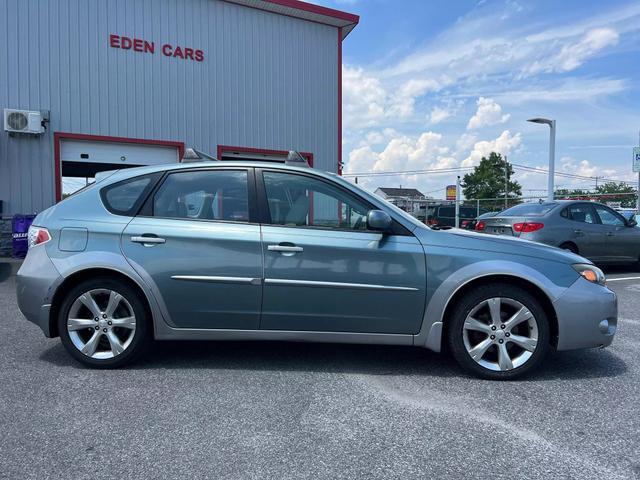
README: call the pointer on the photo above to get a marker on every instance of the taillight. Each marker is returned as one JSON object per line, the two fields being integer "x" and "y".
{"x": 38, "y": 236}
{"x": 527, "y": 227}
{"x": 480, "y": 226}
{"x": 465, "y": 223}
{"x": 432, "y": 221}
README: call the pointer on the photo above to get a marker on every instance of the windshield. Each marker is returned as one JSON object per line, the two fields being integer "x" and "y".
{"x": 528, "y": 210}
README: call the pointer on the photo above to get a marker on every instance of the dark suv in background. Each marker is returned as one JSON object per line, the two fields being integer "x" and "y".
{"x": 445, "y": 215}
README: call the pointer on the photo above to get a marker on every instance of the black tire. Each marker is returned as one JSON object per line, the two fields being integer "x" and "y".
{"x": 569, "y": 246}
{"x": 141, "y": 336}
{"x": 476, "y": 296}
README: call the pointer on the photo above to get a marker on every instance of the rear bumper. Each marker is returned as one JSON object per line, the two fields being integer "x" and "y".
{"x": 35, "y": 284}
{"x": 587, "y": 316}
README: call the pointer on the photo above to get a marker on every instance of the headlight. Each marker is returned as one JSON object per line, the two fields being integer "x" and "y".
{"x": 590, "y": 272}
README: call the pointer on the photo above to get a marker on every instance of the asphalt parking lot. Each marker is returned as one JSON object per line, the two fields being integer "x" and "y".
{"x": 276, "y": 410}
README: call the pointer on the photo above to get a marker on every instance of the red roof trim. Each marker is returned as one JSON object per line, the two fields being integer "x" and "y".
{"x": 317, "y": 9}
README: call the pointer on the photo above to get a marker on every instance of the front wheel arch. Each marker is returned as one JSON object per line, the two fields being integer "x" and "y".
{"x": 532, "y": 288}
{"x": 79, "y": 277}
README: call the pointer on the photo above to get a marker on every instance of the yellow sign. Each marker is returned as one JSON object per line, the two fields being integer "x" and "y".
{"x": 451, "y": 192}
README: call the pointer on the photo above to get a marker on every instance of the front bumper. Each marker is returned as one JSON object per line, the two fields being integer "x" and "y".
{"x": 35, "y": 283}
{"x": 587, "y": 316}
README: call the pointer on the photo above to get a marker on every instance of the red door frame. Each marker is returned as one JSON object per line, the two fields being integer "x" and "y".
{"x": 262, "y": 151}
{"x": 58, "y": 136}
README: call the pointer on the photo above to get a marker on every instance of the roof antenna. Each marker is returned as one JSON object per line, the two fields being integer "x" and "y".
{"x": 295, "y": 159}
{"x": 193, "y": 155}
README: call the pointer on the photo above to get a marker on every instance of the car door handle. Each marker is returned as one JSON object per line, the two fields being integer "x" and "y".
{"x": 611, "y": 234}
{"x": 148, "y": 240}
{"x": 284, "y": 248}
{"x": 578, "y": 232}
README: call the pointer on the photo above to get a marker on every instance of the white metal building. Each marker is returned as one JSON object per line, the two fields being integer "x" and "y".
{"x": 133, "y": 82}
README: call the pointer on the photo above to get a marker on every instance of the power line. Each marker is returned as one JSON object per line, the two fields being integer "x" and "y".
{"x": 407, "y": 172}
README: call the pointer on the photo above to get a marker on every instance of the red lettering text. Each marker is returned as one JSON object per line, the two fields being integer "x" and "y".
{"x": 144, "y": 46}
{"x": 178, "y": 52}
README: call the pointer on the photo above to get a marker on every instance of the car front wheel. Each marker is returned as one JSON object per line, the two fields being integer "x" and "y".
{"x": 103, "y": 323}
{"x": 499, "y": 331}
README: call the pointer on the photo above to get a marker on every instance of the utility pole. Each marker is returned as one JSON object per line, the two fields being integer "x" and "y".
{"x": 457, "y": 224}
{"x": 638, "y": 191}
{"x": 506, "y": 182}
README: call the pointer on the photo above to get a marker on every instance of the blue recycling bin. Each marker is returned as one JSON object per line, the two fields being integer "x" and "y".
{"x": 19, "y": 232}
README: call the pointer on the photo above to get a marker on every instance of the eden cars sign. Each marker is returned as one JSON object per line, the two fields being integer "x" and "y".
{"x": 144, "y": 46}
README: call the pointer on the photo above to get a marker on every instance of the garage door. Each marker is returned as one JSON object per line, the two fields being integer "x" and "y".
{"x": 117, "y": 154}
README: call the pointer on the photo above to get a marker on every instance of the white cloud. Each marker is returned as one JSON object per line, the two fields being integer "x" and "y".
{"x": 574, "y": 54}
{"x": 404, "y": 153}
{"x": 488, "y": 113}
{"x": 504, "y": 144}
{"x": 438, "y": 115}
{"x": 570, "y": 90}
{"x": 363, "y": 98}
{"x": 368, "y": 102}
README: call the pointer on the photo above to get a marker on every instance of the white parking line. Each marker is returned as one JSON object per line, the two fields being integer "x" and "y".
{"x": 622, "y": 278}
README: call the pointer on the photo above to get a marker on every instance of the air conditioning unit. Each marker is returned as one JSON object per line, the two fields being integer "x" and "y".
{"x": 23, "y": 121}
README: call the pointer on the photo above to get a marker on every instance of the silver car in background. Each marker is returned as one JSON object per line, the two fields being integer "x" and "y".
{"x": 261, "y": 251}
{"x": 590, "y": 229}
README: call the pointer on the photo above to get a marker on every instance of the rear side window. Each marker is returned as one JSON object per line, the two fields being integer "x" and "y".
{"x": 125, "y": 197}
{"x": 529, "y": 210}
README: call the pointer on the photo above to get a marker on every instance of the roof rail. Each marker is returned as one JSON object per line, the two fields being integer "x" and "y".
{"x": 295, "y": 159}
{"x": 193, "y": 155}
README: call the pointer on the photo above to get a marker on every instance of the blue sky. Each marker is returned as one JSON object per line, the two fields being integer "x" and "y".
{"x": 435, "y": 84}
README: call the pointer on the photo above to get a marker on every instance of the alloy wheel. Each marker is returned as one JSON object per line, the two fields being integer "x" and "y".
{"x": 101, "y": 323}
{"x": 500, "y": 334}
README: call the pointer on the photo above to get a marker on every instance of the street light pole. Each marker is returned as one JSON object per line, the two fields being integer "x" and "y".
{"x": 552, "y": 154}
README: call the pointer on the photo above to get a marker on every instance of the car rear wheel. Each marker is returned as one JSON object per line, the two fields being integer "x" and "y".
{"x": 499, "y": 331}
{"x": 103, "y": 323}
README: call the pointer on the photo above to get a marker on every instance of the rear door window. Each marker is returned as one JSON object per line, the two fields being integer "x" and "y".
{"x": 204, "y": 195}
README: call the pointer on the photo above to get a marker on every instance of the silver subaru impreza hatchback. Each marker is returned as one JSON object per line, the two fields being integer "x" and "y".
{"x": 262, "y": 251}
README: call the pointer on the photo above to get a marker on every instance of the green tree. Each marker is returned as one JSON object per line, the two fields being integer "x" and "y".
{"x": 487, "y": 181}
{"x": 612, "y": 190}
{"x": 608, "y": 192}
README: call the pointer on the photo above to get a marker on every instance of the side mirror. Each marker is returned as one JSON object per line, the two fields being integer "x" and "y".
{"x": 632, "y": 223}
{"x": 379, "y": 220}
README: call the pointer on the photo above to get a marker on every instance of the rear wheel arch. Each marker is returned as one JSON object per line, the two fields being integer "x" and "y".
{"x": 530, "y": 287}
{"x": 87, "y": 274}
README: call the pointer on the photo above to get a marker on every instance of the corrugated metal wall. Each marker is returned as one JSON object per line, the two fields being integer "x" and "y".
{"x": 267, "y": 81}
